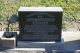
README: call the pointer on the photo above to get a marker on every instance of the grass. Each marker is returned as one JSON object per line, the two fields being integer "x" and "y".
{"x": 71, "y": 7}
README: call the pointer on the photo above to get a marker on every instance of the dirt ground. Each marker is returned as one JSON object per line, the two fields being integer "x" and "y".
{"x": 72, "y": 26}
{"x": 69, "y": 26}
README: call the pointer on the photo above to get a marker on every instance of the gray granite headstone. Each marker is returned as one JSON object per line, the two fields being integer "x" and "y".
{"x": 40, "y": 23}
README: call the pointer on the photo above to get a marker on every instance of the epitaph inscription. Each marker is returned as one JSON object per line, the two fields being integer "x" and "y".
{"x": 40, "y": 26}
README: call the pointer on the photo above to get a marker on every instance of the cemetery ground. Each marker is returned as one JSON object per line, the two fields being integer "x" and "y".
{"x": 70, "y": 44}
{"x": 71, "y": 9}
{"x": 71, "y": 25}
{"x": 67, "y": 26}
{"x": 72, "y": 28}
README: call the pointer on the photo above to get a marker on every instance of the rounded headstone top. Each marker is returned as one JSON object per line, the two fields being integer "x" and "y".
{"x": 46, "y": 9}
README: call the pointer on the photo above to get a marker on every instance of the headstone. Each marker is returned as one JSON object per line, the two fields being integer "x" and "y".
{"x": 40, "y": 23}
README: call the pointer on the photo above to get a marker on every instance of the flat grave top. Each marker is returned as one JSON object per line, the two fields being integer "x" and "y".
{"x": 45, "y": 9}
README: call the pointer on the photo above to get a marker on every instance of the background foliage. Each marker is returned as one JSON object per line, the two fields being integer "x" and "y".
{"x": 71, "y": 8}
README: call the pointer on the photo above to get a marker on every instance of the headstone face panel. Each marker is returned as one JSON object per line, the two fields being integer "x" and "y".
{"x": 40, "y": 25}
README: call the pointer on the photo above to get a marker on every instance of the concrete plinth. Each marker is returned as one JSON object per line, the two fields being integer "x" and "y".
{"x": 46, "y": 45}
{"x": 8, "y": 42}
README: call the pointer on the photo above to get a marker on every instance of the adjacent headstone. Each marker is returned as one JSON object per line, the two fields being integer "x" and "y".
{"x": 40, "y": 23}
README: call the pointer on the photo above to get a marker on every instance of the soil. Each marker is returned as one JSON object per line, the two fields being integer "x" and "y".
{"x": 72, "y": 26}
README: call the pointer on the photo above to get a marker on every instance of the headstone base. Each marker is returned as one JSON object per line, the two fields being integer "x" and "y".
{"x": 46, "y": 45}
